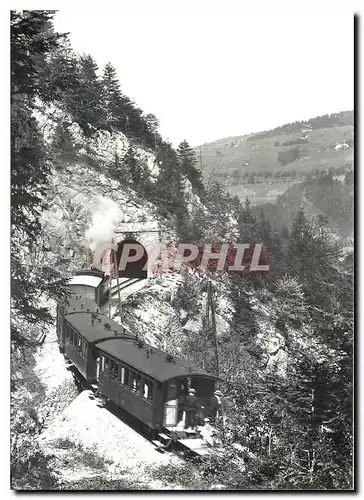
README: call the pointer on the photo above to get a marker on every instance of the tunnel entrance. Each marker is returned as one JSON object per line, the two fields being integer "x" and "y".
{"x": 133, "y": 269}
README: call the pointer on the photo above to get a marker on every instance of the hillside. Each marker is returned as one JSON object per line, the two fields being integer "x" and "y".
{"x": 84, "y": 160}
{"x": 331, "y": 196}
{"x": 262, "y": 166}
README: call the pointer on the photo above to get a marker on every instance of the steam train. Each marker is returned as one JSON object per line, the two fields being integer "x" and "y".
{"x": 147, "y": 383}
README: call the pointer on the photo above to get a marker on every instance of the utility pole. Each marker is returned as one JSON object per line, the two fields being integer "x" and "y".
{"x": 117, "y": 276}
{"x": 109, "y": 294}
{"x": 201, "y": 158}
{"x": 206, "y": 329}
{"x": 210, "y": 306}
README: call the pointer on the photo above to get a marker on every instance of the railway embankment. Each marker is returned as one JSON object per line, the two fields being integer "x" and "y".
{"x": 88, "y": 444}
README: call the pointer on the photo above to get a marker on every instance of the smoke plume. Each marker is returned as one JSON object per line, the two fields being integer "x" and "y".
{"x": 105, "y": 218}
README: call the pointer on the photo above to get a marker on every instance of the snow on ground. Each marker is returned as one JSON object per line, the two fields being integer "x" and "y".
{"x": 121, "y": 451}
{"x": 50, "y": 367}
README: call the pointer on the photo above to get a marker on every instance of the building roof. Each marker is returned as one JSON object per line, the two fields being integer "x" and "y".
{"x": 149, "y": 360}
{"x": 86, "y": 280}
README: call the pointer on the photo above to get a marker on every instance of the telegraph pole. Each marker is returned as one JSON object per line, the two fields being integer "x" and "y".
{"x": 213, "y": 319}
{"x": 206, "y": 329}
{"x": 117, "y": 276}
{"x": 210, "y": 306}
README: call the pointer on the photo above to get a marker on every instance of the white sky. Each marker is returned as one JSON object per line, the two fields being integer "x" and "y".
{"x": 217, "y": 69}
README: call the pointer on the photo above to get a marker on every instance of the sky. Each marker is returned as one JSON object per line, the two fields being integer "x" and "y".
{"x": 219, "y": 69}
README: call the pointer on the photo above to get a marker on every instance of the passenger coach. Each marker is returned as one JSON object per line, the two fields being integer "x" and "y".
{"x": 146, "y": 382}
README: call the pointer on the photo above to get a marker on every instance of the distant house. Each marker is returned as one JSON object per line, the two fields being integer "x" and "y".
{"x": 342, "y": 145}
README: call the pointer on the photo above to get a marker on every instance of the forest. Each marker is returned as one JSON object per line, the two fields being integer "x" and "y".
{"x": 289, "y": 411}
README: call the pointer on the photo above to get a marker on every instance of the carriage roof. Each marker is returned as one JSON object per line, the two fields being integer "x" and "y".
{"x": 146, "y": 359}
{"x": 150, "y": 361}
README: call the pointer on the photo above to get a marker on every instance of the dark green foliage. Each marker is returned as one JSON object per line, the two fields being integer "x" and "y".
{"x": 113, "y": 98}
{"x": 187, "y": 161}
{"x": 295, "y": 429}
{"x": 289, "y": 156}
{"x": 313, "y": 257}
{"x": 31, "y": 37}
{"x": 247, "y": 223}
{"x": 58, "y": 75}
{"x": 168, "y": 188}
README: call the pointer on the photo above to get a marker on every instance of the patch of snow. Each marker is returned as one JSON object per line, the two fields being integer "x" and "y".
{"x": 88, "y": 427}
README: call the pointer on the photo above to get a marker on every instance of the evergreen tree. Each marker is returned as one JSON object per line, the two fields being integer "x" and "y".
{"x": 247, "y": 223}
{"x": 264, "y": 231}
{"x": 133, "y": 165}
{"x": 112, "y": 97}
{"x": 187, "y": 161}
{"x": 312, "y": 256}
{"x": 169, "y": 182}
{"x": 31, "y": 37}
{"x": 89, "y": 110}
{"x": 118, "y": 170}
{"x": 58, "y": 76}
{"x": 298, "y": 249}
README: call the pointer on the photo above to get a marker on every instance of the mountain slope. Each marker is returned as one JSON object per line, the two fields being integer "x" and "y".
{"x": 263, "y": 165}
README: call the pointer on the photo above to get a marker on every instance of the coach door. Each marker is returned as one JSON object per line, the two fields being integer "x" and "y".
{"x": 171, "y": 405}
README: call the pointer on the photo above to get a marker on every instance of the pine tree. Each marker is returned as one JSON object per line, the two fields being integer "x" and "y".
{"x": 112, "y": 97}
{"x": 187, "y": 161}
{"x": 313, "y": 256}
{"x": 31, "y": 37}
{"x": 151, "y": 135}
{"x": 298, "y": 249}
{"x": 169, "y": 182}
{"x": 118, "y": 170}
{"x": 247, "y": 222}
{"x": 264, "y": 231}
{"x": 89, "y": 110}
{"x": 133, "y": 166}
{"x": 58, "y": 77}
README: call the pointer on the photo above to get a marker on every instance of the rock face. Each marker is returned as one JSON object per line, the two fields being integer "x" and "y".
{"x": 86, "y": 207}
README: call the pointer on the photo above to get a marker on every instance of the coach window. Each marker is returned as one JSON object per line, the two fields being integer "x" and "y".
{"x": 106, "y": 363}
{"x": 84, "y": 349}
{"x": 124, "y": 376}
{"x": 113, "y": 369}
{"x": 135, "y": 382}
{"x": 147, "y": 390}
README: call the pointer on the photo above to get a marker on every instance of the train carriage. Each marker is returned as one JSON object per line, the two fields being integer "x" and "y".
{"x": 146, "y": 382}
